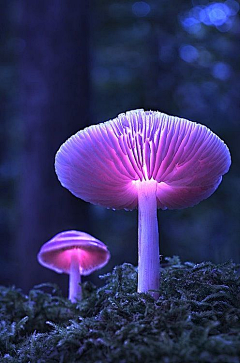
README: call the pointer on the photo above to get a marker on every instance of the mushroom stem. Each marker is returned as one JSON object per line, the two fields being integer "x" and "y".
{"x": 75, "y": 289}
{"x": 148, "y": 239}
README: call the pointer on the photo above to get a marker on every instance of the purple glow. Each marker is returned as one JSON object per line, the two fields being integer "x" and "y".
{"x": 90, "y": 253}
{"x": 145, "y": 160}
{"x": 103, "y": 164}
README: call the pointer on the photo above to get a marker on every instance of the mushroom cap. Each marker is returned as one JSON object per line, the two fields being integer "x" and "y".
{"x": 56, "y": 254}
{"x": 103, "y": 164}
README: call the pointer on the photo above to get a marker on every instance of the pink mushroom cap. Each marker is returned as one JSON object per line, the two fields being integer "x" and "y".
{"x": 104, "y": 163}
{"x": 57, "y": 253}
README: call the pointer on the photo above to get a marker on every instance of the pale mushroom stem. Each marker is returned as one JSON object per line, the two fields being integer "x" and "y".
{"x": 75, "y": 289}
{"x": 148, "y": 239}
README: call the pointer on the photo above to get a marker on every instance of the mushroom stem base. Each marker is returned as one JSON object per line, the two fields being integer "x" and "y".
{"x": 148, "y": 239}
{"x": 75, "y": 289}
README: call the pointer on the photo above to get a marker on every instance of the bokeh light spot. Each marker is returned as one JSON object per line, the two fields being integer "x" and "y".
{"x": 218, "y": 13}
{"x": 226, "y": 26}
{"x": 188, "y": 53}
{"x": 221, "y": 71}
{"x": 204, "y": 17}
{"x": 191, "y": 24}
{"x": 233, "y": 6}
{"x": 187, "y": 22}
{"x": 141, "y": 9}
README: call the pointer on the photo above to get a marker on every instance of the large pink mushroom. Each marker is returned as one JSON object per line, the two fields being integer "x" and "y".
{"x": 144, "y": 160}
{"x": 75, "y": 253}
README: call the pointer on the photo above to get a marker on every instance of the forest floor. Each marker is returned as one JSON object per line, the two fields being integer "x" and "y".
{"x": 195, "y": 320}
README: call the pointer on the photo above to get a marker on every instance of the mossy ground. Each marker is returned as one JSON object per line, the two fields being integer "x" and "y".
{"x": 196, "y": 319}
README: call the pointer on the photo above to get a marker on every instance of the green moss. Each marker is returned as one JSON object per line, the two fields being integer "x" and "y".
{"x": 196, "y": 319}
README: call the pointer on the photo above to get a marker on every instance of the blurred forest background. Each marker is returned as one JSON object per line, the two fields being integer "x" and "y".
{"x": 65, "y": 65}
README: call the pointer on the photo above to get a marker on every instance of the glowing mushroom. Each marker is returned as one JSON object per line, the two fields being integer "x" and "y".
{"x": 75, "y": 253}
{"x": 144, "y": 160}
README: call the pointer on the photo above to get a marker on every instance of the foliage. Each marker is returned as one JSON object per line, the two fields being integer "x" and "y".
{"x": 196, "y": 319}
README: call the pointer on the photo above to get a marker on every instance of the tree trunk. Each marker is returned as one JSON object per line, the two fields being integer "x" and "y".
{"x": 54, "y": 89}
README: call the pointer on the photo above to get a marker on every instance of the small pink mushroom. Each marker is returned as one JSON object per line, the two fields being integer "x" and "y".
{"x": 144, "y": 160}
{"x": 74, "y": 253}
